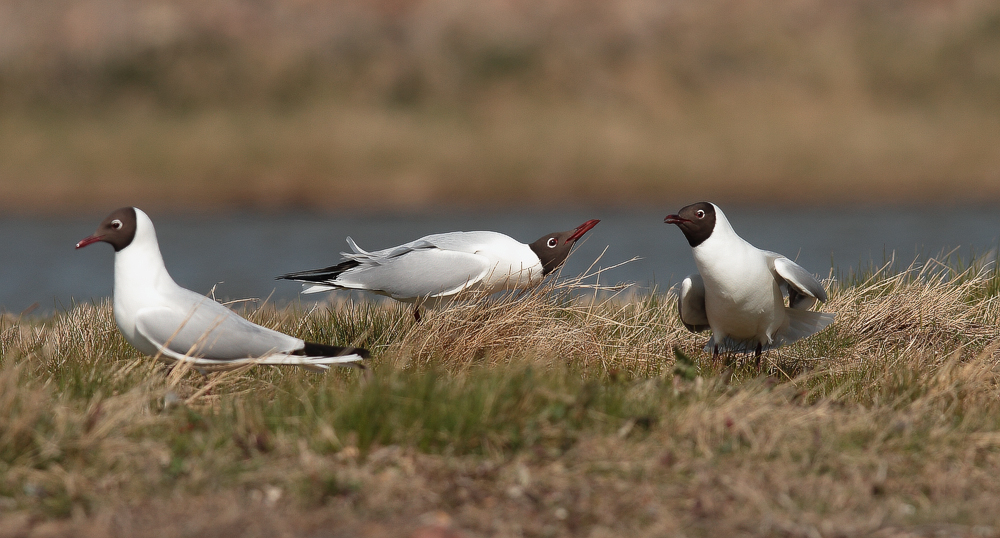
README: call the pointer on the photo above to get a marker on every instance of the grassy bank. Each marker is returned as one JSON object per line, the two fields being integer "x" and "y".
{"x": 534, "y": 415}
{"x": 280, "y": 104}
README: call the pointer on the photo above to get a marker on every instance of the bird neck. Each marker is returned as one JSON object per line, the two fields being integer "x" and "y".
{"x": 140, "y": 264}
{"x": 723, "y": 251}
{"x": 723, "y": 230}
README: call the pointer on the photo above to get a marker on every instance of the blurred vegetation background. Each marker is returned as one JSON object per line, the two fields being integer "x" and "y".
{"x": 401, "y": 104}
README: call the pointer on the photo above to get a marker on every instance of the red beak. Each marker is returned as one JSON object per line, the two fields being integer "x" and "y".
{"x": 675, "y": 219}
{"x": 89, "y": 240}
{"x": 582, "y": 229}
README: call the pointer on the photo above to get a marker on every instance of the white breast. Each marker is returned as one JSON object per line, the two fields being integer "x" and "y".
{"x": 742, "y": 299}
{"x": 140, "y": 278}
{"x": 514, "y": 265}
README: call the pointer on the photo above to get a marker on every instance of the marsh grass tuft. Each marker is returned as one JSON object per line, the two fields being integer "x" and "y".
{"x": 544, "y": 412}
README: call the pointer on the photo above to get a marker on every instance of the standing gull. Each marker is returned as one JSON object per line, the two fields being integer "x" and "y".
{"x": 737, "y": 292}
{"x": 440, "y": 266}
{"x": 160, "y": 318}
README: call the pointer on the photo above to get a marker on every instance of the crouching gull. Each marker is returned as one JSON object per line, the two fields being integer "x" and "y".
{"x": 162, "y": 319}
{"x": 737, "y": 292}
{"x": 440, "y": 266}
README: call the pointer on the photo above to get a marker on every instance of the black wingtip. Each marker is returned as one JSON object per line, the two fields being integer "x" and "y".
{"x": 312, "y": 349}
{"x": 320, "y": 275}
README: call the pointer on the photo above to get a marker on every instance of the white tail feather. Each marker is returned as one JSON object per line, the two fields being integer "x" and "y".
{"x": 280, "y": 359}
{"x": 802, "y": 323}
{"x": 316, "y": 288}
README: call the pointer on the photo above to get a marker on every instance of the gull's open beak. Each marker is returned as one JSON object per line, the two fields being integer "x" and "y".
{"x": 582, "y": 229}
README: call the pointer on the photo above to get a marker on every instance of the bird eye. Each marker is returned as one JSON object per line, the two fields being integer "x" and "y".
{"x": 552, "y": 242}
{"x": 700, "y": 214}
{"x": 116, "y": 224}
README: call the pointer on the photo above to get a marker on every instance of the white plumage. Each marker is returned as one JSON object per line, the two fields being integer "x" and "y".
{"x": 159, "y": 317}
{"x": 441, "y": 266}
{"x": 738, "y": 291}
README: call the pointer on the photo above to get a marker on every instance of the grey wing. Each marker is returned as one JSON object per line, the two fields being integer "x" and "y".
{"x": 419, "y": 272}
{"x": 691, "y": 304}
{"x": 468, "y": 241}
{"x": 209, "y": 330}
{"x": 803, "y": 288}
{"x": 378, "y": 257}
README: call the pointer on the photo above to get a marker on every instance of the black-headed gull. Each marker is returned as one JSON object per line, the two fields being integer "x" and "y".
{"x": 440, "y": 266}
{"x": 160, "y": 318}
{"x": 737, "y": 292}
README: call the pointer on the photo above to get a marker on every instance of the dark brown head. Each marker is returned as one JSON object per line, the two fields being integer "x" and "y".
{"x": 118, "y": 229}
{"x": 553, "y": 248}
{"x": 697, "y": 221}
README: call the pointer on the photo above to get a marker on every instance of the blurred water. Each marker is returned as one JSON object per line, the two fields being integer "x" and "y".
{"x": 242, "y": 253}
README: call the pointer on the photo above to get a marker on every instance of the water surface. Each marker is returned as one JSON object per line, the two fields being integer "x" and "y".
{"x": 240, "y": 254}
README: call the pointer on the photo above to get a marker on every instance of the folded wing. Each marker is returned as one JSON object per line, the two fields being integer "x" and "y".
{"x": 417, "y": 272}
{"x": 691, "y": 303}
{"x": 434, "y": 266}
{"x": 209, "y": 334}
{"x": 205, "y": 328}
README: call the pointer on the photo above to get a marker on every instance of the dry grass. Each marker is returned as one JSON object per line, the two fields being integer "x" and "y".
{"x": 539, "y": 414}
{"x": 927, "y": 308}
{"x": 551, "y": 323}
{"x": 405, "y": 103}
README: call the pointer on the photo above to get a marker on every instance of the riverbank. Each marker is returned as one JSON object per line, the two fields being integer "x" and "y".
{"x": 524, "y": 155}
{"x": 412, "y": 104}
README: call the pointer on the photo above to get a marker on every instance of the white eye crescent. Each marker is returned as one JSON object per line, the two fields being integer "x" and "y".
{"x": 116, "y": 224}
{"x": 700, "y": 214}
{"x": 552, "y": 242}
